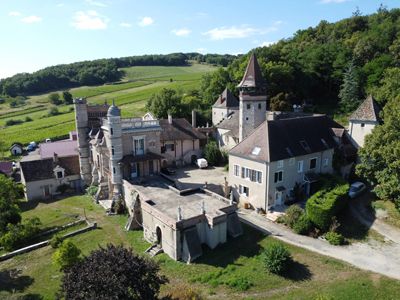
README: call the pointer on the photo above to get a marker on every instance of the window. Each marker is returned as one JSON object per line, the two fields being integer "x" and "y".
{"x": 252, "y": 175}
{"x": 291, "y": 161}
{"x": 170, "y": 147}
{"x": 362, "y": 124}
{"x": 278, "y": 176}
{"x": 259, "y": 176}
{"x": 111, "y": 131}
{"x": 259, "y": 106}
{"x": 243, "y": 190}
{"x": 305, "y": 146}
{"x": 113, "y": 170}
{"x": 248, "y": 106}
{"x": 162, "y": 149}
{"x": 313, "y": 163}
{"x": 139, "y": 146}
{"x": 280, "y": 164}
{"x": 300, "y": 166}
{"x": 60, "y": 174}
{"x": 112, "y": 150}
{"x": 256, "y": 151}
{"x": 236, "y": 170}
{"x": 326, "y": 162}
{"x": 247, "y": 118}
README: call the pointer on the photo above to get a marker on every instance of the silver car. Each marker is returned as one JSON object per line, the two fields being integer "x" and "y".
{"x": 356, "y": 189}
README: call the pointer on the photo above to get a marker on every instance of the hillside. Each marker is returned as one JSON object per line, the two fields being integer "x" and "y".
{"x": 131, "y": 94}
{"x": 310, "y": 66}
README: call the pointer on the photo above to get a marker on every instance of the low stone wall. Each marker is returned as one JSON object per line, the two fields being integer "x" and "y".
{"x": 9, "y": 255}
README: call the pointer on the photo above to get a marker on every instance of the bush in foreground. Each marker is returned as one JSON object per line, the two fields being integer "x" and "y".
{"x": 334, "y": 238}
{"x": 276, "y": 258}
{"x": 292, "y": 215}
{"x": 66, "y": 255}
{"x": 19, "y": 235}
{"x": 56, "y": 241}
{"x": 303, "y": 225}
{"x": 113, "y": 272}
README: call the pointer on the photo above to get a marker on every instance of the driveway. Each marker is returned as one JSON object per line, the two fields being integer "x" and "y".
{"x": 192, "y": 177}
{"x": 377, "y": 257}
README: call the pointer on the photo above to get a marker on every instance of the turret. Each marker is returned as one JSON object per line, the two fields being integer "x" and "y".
{"x": 253, "y": 102}
{"x": 81, "y": 121}
{"x": 114, "y": 139}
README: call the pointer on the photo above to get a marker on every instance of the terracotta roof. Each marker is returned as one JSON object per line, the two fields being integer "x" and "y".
{"x": 180, "y": 129}
{"x": 285, "y": 138}
{"x": 35, "y": 170}
{"x": 367, "y": 111}
{"x": 226, "y": 100}
{"x": 252, "y": 76}
{"x": 231, "y": 123}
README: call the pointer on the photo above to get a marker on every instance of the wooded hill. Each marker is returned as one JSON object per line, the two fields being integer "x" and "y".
{"x": 310, "y": 66}
{"x": 96, "y": 72}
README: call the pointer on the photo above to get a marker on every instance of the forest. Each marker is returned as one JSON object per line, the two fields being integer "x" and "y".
{"x": 96, "y": 72}
{"x": 311, "y": 66}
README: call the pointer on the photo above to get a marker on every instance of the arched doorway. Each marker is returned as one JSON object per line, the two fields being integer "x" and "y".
{"x": 159, "y": 236}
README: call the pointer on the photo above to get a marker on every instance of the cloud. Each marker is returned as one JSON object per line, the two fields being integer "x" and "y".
{"x": 31, "y": 19}
{"x": 333, "y": 1}
{"x": 14, "y": 14}
{"x": 181, "y": 32}
{"x": 237, "y": 32}
{"x": 60, "y": 4}
{"x": 201, "y": 50}
{"x": 146, "y": 21}
{"x": 126, "y": 25}
{"x": 89, "y": 20}
{"x": 95, "y": 3}
{"x": 266, "y": 44}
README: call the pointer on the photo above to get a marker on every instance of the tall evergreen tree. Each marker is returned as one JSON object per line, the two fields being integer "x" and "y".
{"x": 349, "y": 90}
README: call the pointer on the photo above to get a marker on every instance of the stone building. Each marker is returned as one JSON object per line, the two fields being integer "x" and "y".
{"x": 363, "y": 120}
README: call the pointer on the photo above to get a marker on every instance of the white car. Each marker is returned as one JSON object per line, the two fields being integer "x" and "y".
{"x": 202, "y": 163}
{"x": 356, "y": 189}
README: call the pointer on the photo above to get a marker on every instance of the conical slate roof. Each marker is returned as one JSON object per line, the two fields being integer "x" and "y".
{"x": 113, "y": 111}
{"x": 253, "y": 76}
{"x": 226, "y": 100}
{"x": 367, "y": 111}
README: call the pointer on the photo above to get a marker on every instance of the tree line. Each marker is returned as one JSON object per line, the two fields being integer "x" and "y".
{"x": 94, "y": 72}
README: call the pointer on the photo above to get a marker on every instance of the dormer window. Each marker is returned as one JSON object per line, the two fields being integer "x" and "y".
{"x": 60, "y": 175}
{"x": 59, "y": 172}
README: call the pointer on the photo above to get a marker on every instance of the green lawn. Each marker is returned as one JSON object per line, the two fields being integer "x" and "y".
{"x": 392, "y": 214}
{"x": 219, "y": 274}
{"x": 131, "y": 94}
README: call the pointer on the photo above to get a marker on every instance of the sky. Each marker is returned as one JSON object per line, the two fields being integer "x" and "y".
{"x": 40, "y": 33}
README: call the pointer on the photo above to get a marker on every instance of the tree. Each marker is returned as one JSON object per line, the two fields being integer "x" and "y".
{"x": 66, "y": 255}
{"x": 113, "y": 272}
{"x": 212, "y": 153}
{"x": 54, "y": 98}
{"x": 379, "y": 158}
{"x": 389, "y": 86}
{"x": 349, "y": 90}
{"x": 67, "y": 98}
{"x": 167, "y": 101}
{"x": 10, "y": 192}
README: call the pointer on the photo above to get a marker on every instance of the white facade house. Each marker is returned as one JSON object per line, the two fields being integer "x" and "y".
{"x": 363, "y": 121}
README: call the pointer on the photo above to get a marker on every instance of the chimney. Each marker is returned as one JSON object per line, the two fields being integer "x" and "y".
{"x": 169, "y": 118}
{"x": 203, "y": 208}
{"x": 55, "y": 158}
{"x": 194, "y": 121}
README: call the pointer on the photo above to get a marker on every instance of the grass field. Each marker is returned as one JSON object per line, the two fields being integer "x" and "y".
{"x": 392, "y": 215}
{"x": 223, "y": 273}
{"x": 131, "y": 94}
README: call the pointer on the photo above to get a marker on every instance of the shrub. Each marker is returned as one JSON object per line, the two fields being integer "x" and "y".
{"x": 276, "y": 258}
{"x": 238, "y": 283}
{"x": 323, "y": 205}
{"x": 56, "y": 241}
{"x": 54, "y": 98}
{"x": 92, "y": 190}
{"x": 18, "y": 235}
{"x": 303, "y": 225}
{"x": 212, "y": 153}
{"x": 118, "y": 206}
{"x": 53, "y": 111}
{"x": 66, "y": 255}
{"x": 28, "y": 119}
{"x": 292, "y": 214}
{"x": 12, "y": 122}
{"x": 334, "y": 238}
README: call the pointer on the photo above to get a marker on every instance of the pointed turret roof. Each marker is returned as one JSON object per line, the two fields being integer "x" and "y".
{"x": 367, "y": 111}
{"x": 253, "y": 76}
{"x": 226, "y": 100}
{"x": 113, "y": 110}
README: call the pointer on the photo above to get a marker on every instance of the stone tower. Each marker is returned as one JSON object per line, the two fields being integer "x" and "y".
{"x": 252, "y": 99}
{"x": 81, "y": 120}
{"x": 114, "y": 144}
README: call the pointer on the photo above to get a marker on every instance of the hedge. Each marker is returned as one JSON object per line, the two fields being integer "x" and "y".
{"x": 325, "y": 204}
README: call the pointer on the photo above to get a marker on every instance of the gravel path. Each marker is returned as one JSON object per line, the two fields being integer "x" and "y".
{"x": 383, "y": 258}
